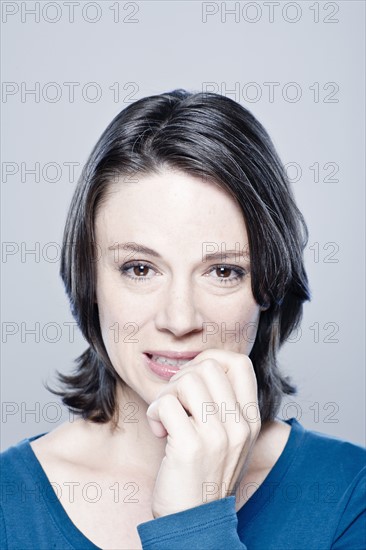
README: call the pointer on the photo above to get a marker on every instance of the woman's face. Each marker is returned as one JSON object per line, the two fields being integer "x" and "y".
{"x": 175, "y": 297}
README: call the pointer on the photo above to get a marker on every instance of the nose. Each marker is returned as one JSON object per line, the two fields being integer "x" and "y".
{"x": 178, "y": 312}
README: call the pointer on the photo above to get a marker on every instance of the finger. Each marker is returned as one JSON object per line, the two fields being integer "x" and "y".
{"x": 239, "y": 370}
{"x": 157, "y": 427}
{"x": 220, "y": 388}
{"x": 191, "y": 392}
{"x": 169, "y": 412}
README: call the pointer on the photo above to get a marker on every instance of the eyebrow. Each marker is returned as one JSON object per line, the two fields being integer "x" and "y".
{"x": 227, "y": 254}
{"x": 135, "y": 247}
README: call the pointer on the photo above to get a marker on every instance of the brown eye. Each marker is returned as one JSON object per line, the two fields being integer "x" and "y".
{"x": 141, "y": 270}
{"x": 138, "y": 272}
{"x": 223, "y": 272}
{"x": 226, "y": 274}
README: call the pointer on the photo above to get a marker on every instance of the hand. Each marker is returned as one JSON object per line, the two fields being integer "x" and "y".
{"x": 206, "y": 444}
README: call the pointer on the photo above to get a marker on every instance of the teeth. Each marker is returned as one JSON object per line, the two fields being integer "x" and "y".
{"x": 166, "y": 361}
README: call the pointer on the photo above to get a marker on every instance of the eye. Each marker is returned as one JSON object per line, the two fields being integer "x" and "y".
{"x": 222, "y": 273}
{"x": 137, "y": 271}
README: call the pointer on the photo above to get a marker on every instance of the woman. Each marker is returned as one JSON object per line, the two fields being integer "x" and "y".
{"x": 183, "y": 262}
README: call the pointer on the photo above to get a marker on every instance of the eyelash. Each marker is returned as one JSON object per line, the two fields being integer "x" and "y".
{"x": 240, "y": 273}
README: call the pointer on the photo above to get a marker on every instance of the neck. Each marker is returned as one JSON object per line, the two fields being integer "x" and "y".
{"x": 130, "y": 441}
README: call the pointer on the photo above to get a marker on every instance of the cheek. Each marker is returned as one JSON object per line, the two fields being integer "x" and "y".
{"x": 120, "y": 332}
{"x": 234, "y": 325}
{"x": 121, "y": 316}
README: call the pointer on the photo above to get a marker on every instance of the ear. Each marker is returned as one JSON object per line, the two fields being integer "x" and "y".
{"x": 265, "y": 306}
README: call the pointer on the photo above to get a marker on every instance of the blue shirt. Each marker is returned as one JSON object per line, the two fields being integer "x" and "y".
{"x": 313, "y": 498}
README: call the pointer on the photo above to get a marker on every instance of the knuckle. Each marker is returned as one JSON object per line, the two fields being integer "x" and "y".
{"x": 186, "y": 381}
{"x": 255, "y": 428}
{"x": 209, "y": 363}
{"x": 242, "y": 433}
{"x": 210, "y": 366}
{"x": 246, "y": 362}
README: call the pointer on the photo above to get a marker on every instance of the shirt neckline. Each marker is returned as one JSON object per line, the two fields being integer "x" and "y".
{"x": 264, "y": 494}
{"x": 63, "y": 521}
{"x": 254, "y": 504}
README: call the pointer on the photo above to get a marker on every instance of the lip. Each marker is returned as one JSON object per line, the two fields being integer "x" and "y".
{"x": 174, "y": 354}
{"x": 165, "y": 372}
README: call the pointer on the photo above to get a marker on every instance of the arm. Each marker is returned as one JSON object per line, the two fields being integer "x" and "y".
{"x": 3, "y": 537}
{"x": 209, "y": 526}
{"x": 351, "y": 530}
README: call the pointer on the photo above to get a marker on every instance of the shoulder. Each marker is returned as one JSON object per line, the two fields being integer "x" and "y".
{"x": 328, "y": 456}
{"x": 21, "y": 457}
{"x": 321, "y": 442}
{"x": 15, "y": 458}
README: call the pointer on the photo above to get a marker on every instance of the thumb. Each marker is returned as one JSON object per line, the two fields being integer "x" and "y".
{"x": 154, "y": 421}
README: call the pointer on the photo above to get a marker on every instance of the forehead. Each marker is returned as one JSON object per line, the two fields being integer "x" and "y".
{"x": 170, "y": 206}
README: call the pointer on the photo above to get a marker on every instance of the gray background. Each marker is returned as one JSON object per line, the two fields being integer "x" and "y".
{"x": 155, "y": 47}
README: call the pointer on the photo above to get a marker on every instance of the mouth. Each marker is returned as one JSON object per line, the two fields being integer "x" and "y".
{"x": 165, "y": 363}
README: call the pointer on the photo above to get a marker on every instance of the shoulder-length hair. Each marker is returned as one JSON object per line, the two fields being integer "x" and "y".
{"x": 206, "y": 135}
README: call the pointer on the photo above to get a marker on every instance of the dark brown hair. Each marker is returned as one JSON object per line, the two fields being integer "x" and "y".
{"x": 204, "y": 135}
